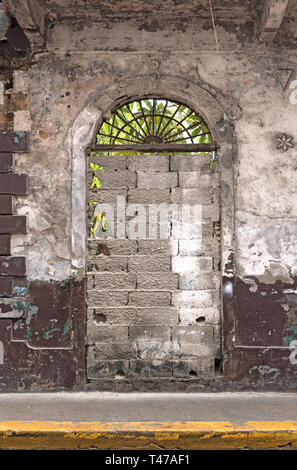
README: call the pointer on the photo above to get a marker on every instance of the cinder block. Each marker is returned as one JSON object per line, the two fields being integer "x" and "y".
{"x": 156, "y": 180}
{"x": 158, "y": 231}
{"x": 160, "y": 281}
{"x": 102, "y": 333}
{"x": 105, "y": 369}
{"x": 150, "y": 247}
{"x": 111, "y": 247}
{"x": 210, "y": 243}
{"x": 107, "y": 196}
{"x": 193, "y": 334}
{"x": 201, "y": 316}
{"x": 190, "y": 163}
{"x": 148, "y": 162}
{"x": 192, "y": 281}
{"x": 114, "y": 281}
{"x": 194, "y": 350}
{"x": 149, "y": 333}
{"x": 115, "y": 179}
{"x": 194, "y": 179}
{"x": 153, "y": 368}
{"x": 104, "y": 298}
{"x": 107, "y": 263}
{"x": 190, "y": 247}
{"x": 191, "y": 196}
{"x": 116, "y": 350}
{"x": 151, "y": 350}
{"x": 216, "y": 295}
{"x": 109, "y": 162}
{"x": 211, "y": 212}
{"x": 200, "y": 367}
{"x": 192, "y": 299}
{"x": 148, "y": 263}
{"x": 150, "y": 299}
{"x": 135, "y": 316}
{"x": 148, "y": 196}
{"x": 186, "y": 231}
{"x": 186, "y": 264}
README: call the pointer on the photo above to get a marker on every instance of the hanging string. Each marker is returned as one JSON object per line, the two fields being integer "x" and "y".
{"x": 217, "y": 45}
{"x": 214, "y": 155}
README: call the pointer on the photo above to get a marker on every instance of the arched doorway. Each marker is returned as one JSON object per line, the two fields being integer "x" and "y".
{"x": 153, "y": 269}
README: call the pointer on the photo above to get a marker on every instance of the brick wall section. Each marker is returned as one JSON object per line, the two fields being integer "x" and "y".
{"x": 12, "y": 269}
{"x": 154, "y": 305}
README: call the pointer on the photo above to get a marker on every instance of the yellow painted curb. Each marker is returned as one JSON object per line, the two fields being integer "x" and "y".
{"x": 147, "y": 435}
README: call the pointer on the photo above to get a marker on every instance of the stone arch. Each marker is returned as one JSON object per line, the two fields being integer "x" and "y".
{"x": 99, "y": 105}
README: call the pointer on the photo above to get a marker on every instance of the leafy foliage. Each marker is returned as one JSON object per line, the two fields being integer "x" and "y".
{"x": 153, "y": 120}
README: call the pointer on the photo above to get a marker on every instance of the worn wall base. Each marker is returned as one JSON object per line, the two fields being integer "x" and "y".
{"x": 45, "y": 349}
{"x": 48, "y": 435}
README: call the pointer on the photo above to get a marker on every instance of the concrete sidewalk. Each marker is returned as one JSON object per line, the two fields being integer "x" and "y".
{"x": 151, "y": 421}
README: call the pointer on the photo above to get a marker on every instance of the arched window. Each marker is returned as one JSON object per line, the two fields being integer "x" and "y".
{"x": 154, "y": 124}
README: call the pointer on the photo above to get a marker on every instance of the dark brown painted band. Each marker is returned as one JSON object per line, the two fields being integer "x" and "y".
{"x": 4, "y": 245}
{"x": 13, "y": 184}
{"x": 13, "y": 141}
{"x": 5, "y": 204}
{"x": 12, "y": 224}
{"x": 5, "y": 286}
{"x": 5, "y": 162}
{"x": 12, "y": 266}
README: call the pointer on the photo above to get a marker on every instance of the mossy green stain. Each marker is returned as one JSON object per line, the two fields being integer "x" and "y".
{"x": 19, "y": 306}
{"x": 66, "y": 327}
{"x": 49, "y": 333}
{"x": 20, "y": 290}
{"x": 28, "y": 333}
{"x": 64, "y": 283}
{"x": 291, "y": 334}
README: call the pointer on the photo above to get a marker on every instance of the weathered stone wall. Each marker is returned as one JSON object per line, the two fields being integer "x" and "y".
{"x": 153, "y": 303}
{"x": 76, "y": 75}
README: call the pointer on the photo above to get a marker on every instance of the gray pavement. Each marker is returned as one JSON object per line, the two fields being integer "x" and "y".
{"x": 108, "y": 407}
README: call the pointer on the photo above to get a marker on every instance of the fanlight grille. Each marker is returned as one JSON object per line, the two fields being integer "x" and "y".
{"x": 153, "y": 121}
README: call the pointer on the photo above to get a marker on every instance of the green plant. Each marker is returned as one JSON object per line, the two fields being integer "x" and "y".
{"x": 153, "y": 120}
{"x": 96, "y": 183}
{"x": 96, "y": 220}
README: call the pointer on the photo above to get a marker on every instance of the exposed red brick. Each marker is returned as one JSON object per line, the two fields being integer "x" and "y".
{"x": 5, "y": 204}
{"x": 5, "y": 162}
{"x": 12, "y": 266}
{"x": 12, "y": 224}
{"x": 13, "y": 141}
{"x": 13, "y": 184}
{"x": 4, "y": 244}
